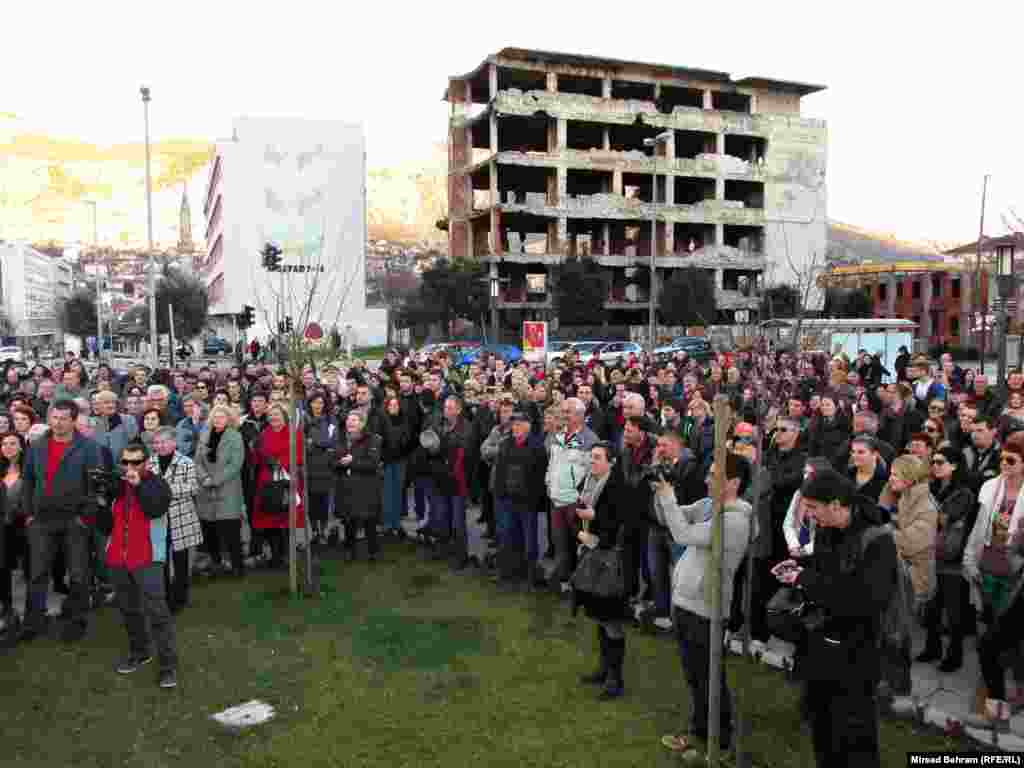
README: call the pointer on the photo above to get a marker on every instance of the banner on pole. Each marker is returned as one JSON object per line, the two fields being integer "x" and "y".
{"x": 535, "y": 341}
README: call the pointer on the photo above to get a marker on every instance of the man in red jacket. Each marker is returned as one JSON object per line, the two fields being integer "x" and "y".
{"x": 136, "y": 551}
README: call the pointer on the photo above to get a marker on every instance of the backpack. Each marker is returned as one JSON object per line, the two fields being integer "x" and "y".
{"x": 897, "y": 620}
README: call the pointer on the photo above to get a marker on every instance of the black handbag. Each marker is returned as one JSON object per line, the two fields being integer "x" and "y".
{"x": 790, "y": 616}
{"x": 601, "y": 571}
{"x": 274, "y": 494}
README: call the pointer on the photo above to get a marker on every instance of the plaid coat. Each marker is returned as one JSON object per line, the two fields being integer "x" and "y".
{"x": 185, "y": 531}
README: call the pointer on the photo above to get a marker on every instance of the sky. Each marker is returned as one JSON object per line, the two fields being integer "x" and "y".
{"x": 921, "y": 103}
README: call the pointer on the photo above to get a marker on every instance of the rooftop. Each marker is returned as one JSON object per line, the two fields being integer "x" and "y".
{"x": 988, "y": 243}
{"x": 532, "y": 56}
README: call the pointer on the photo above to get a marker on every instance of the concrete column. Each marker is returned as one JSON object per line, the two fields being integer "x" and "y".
{"x": 493, "y": 275}
{"x": 494, "y": 132}
{"x": 552, "y": 82}
{"x": 708, "y": 102}
{"x": 606, "y": 88}
{"x": 492, "y": 77}
{"x": 606, "y": 138}
{"x": 469, "y": 239}
{"x": 719, "y": 188}
{"x": 719, "y": 143}
{"x": 562, "y": 130}
{"x": 495, "y": 200}
{"x": 563, "y": 234}
{"x": 719, "y": 234}
{"x": 607, "y": 237}
{"x": 617, "y": 182}
{"x": 561, "y": 198}
{"x": 719, "y": 279}
{"x": 890, "y": 295}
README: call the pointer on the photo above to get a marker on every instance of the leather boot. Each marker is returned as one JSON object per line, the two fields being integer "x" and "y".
{"x": 598, "y": 677}
{"x": 614, "y": 686}
{"x": 932, "y": 648}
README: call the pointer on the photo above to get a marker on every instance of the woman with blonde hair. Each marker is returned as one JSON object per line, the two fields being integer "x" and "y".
{"x": 218, "y": 466}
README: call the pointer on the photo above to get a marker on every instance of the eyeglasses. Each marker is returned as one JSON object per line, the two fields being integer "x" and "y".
{"x": 132, "y": 462}
{"x": 931, "y": 430}
{"x": 1010, "y": 461}
{"x": 200, "y": 386}
{"x": 939, "y": 462}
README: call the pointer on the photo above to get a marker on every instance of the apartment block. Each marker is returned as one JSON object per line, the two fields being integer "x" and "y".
{"x": 555, "y": 156}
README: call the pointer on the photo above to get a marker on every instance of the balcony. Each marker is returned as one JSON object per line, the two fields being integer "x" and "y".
{"x": 518, "y": 298}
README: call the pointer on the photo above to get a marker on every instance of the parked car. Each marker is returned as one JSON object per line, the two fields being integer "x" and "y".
{"x": 507, "y": 352}
{"x": 697, "y": 348}
{"x": 13, "y": 354}
{"x": 455, "y": 349}
{"x": 582, "y": 348}
{"x": 613, "y": 350}
{"x": 213, "y": 345}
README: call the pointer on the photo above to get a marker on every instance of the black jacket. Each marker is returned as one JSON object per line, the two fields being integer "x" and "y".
{"x": 786, "y": 469}
{"x": 827, "y": 437}
{"x": 519, "y": 471}
{"x": 852, "y": 586}
{"x": 612, "y": 520}
{"x": 958, "y": 511}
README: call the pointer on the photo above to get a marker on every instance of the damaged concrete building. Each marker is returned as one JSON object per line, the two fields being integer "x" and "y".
{"x": 548, "y": 161}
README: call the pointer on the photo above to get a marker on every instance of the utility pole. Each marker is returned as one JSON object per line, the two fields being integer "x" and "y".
{"x": 99, "y": 294}
{"x": 713, "y": 580}
{"x": 979, "y": 276}
{"x": 154, "y": 353}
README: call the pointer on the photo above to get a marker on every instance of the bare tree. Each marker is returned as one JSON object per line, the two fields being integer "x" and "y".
{"x": 803, "y": 276}
{"x": 305, "y": 290}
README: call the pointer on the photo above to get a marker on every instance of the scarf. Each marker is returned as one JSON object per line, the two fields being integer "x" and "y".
{"x": 592, "y": 488}
{"x": 211, "y": 453}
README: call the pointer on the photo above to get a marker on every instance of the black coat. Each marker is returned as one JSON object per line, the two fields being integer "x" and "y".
{"x": 852, "y": 586}
{"x": 958, "y": 509}
{"x": 321, "y": 436}
{"x": 396, "y": 437}
{"x": 358, "y": 490}
{"x": 612, "y": 521}
{"x": 519, "y": 470}
{"x": 827, "y": 437}
{"x": 786, "y": 469}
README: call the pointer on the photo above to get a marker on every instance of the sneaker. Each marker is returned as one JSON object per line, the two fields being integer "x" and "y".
{"x": 663, "y": 623}
{"x": 168, "y": 679}
{"x": 132, "y": 663}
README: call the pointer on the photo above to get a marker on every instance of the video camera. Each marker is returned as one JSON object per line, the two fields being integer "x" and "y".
{"x": 102, "y": 483}
{"x": 657, "y": 473}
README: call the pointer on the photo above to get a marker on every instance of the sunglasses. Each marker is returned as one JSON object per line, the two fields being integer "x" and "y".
{"x": 132, "y": 462}
{"x": 939, "y": 462}
{"x": 1010, "y": 461}
{"x": 931, "y": 430}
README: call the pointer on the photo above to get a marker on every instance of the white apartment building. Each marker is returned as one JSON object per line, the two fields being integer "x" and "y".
{"x": 31, "y": 284}
{"x": 300, "y": 184}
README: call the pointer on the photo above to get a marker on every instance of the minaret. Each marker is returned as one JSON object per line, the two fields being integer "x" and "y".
{"x": 185, "y": 223}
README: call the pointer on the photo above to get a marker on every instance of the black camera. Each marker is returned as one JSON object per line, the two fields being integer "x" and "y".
{"x": 657, "y": 473}
{"x": 102, "y": 482}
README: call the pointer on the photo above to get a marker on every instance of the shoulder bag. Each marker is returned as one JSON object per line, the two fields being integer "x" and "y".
{"x": 601, "y": 572}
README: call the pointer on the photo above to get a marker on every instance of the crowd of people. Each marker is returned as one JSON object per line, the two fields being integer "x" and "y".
{"x": 613, "y": 459}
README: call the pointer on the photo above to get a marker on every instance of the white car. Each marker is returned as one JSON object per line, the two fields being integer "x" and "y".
{"x": 12, "y": 354}
{"x": 613, "y": 350}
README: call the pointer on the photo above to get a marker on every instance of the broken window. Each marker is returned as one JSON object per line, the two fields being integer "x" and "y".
{"x": 630, "y": 138}
{"x": 915, "y": 289}
{"x": 955, "y": 287}
{"x": 523, "y": 233}
{"x": 673, "y": 96}
{"x": 689, "y": 191}
{"x": 883, "y": 291}
{"x": 954, "y": 326}
{"x": 899, "y": 290}
{"x": 745, "y": 238}
{"x": 748, "y": 148}
{"x": 523, "y": 184}
{"x": 936, "y": 286}
{"x": 750, "y": 193}
{"x": 730, "y": 102}
{"x": 689, "y": 144}
{"x": 522, "y": 79}
{"x": 586, "y": 86}
{"x": 627, "y": 89}
{"x": 583, "y": 135}
{"x": 517, "y": 133}
{"x": 585, "y": 183}
{"x": 690, "y": 237}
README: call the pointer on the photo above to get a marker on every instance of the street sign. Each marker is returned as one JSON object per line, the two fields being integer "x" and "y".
{"x": 314, "y": 331}
{"x": 742, "y": 316}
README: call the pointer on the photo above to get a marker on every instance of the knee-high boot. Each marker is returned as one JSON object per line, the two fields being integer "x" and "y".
{"x": 598, "y": 677}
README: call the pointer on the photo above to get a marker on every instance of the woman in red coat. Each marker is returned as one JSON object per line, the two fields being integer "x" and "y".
{"x": 271, "y": 454}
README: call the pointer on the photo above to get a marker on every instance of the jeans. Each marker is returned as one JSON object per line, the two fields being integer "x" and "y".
{"x": 43, "y": 539}
{"x": 563, "y": 522}
{"x": 450, "y": 524}
{"x": 518, "y": 539}
{"x": 141, "y": 598}
{"x": 423, "y": 489}
{"x": 844, "y": 724}
{"x": 392, "y": 511}
{"x": 660, "y": 559}
{"x": 693, "y": 633}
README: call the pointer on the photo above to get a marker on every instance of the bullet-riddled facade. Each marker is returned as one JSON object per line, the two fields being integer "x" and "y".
{"x": 548, "y": 161}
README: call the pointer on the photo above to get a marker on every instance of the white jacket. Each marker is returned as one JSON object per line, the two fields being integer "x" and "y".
{"x": 990, "y": 498}
{"x": 791, "y": 527}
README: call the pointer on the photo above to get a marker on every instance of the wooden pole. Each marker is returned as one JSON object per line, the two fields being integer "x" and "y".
{"x": 292, "y": 491}
{"x": 170, "y": 335}
{"x": 713, "y": 579}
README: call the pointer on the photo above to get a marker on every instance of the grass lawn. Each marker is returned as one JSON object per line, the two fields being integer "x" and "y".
{"x": 399, "y": 664}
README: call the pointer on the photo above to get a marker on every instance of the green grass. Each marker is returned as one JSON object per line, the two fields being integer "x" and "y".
{"x": 370, "y": 353}
{"x": 398, "y": 664}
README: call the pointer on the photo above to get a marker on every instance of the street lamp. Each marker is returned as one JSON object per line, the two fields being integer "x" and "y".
{"x": 652, "y": 293}
{"x": 151, "y": 283}
{"x": 99, "y": 300}
{"x": 1007, "y": 284}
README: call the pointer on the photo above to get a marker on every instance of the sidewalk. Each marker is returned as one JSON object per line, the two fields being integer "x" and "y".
{"x": 939, "y": 698}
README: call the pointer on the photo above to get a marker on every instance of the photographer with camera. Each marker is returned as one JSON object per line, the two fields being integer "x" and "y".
{"x": 136, "y": 523}
{"x": 57, "y": 503}
{"x": 676, "y": 465}
{"x": 849, "y": 580}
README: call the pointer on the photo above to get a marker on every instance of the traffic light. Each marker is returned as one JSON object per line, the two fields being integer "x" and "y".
{"x": 288, "y": 324}
{"x": 248, "y": 317}
{"x": 280, "y": 327}
{"x": 271, "y": 257}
